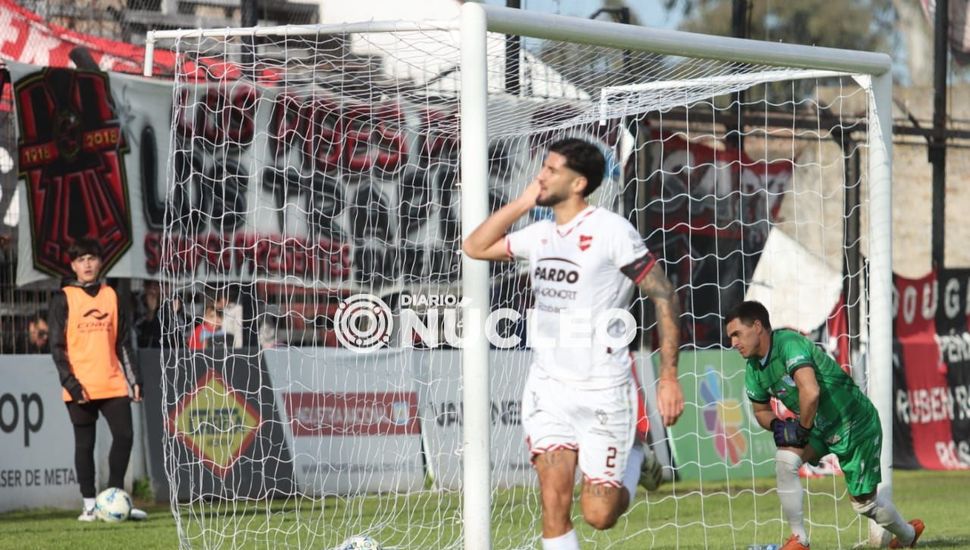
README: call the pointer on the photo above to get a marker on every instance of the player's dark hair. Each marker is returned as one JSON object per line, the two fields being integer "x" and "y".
{"x": 582, "y": 157}
{"x": 749, "y": 312}
{"x": 82, "y": 246}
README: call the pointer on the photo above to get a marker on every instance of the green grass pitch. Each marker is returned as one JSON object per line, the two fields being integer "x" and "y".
{"x": 722, "y": 518}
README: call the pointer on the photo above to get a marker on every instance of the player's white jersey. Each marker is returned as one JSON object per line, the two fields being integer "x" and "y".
{"x": 576, "y": 277}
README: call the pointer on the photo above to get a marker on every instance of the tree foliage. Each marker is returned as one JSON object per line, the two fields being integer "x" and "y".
{"x": 851, "y": 24}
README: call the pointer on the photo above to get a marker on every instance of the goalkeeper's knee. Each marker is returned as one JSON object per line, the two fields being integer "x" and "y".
{"x": 787, "y": 464}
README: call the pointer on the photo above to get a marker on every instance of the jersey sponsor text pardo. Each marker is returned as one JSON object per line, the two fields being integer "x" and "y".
{"x": 578, "y": 277}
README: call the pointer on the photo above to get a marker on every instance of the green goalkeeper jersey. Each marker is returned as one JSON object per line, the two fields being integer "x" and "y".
{"x": 842, "y": 407}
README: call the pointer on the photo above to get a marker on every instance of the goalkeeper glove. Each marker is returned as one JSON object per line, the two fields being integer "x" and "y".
{"x": 789, "y": 433}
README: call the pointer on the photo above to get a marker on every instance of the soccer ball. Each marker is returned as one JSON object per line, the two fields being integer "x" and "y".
{"x": 112, "y": 505}
{"x": 360, "y": 543}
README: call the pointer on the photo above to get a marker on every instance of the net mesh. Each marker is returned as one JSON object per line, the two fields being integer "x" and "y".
{"x": 314, "y": 212}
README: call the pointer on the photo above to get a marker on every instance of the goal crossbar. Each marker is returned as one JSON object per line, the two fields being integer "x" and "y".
{"x": 679, "y": 43}
{"x": 581, "y": 31}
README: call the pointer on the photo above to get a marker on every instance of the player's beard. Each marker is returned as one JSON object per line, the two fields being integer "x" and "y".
{"x": 549, "y": 200}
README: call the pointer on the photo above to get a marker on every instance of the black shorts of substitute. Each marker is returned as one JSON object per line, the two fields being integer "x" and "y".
{"x": 84, "y": 417}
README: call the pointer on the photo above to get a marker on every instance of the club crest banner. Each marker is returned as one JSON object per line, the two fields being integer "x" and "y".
{"x": 260, "y": 183}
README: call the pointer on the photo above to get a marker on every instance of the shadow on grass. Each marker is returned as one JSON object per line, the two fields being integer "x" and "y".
{"x": 45, "y": 514}
{"x": 35, "y": 514}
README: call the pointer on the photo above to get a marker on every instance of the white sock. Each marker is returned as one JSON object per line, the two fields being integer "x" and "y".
{"x": 88, "y": 503}
{"x": 884, "y": 513}
{"x": 631, "y": 476}
{"x": 568, "y": 541}
{"x": 790, "y": 491}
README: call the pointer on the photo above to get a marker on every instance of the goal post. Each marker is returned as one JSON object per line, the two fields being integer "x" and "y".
{"x": 477, "y": 489}
{"x": 397, "y": 139}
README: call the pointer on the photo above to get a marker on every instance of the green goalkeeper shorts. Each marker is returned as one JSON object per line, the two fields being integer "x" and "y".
{"x": 858, "y": 449}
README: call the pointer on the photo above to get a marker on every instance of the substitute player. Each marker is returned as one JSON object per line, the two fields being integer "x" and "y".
{"x": 832, "y": 416}
{"x": 89, "y": 341}
{"x": 580, "y": 400}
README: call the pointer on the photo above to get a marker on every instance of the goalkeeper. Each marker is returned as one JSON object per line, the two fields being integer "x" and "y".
{"x": 579, "y": 406}
{"x": 832, "y": 416}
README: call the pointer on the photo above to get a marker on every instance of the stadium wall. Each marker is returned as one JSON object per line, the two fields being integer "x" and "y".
{"x": 279, "y": 440}
{"x": 37, "y": 442}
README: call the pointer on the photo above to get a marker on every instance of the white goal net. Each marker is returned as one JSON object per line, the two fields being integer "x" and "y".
{"x": 315, "y": 388}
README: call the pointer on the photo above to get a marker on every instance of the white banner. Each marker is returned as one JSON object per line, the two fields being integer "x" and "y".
{"x": 442, "y": 415}
{"x": 269, "y": 182}
{"x": 799, "y": 289}
{"x": 350, "y": 419}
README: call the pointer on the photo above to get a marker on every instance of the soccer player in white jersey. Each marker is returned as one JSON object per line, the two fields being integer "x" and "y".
{"x": 580, "y": 400}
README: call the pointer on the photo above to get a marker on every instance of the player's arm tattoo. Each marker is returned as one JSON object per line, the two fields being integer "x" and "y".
{"x": 661, "y": 292}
